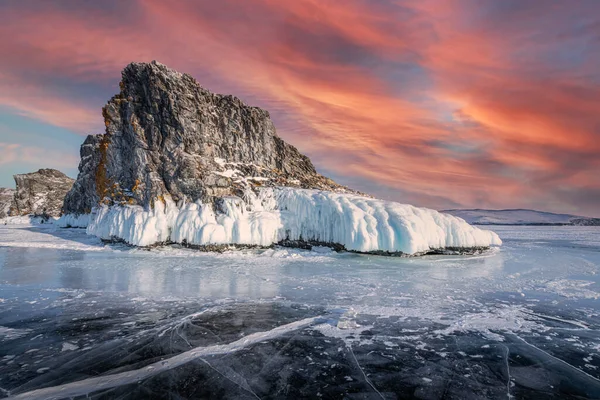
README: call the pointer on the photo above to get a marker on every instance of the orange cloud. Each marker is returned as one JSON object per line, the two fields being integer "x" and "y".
{"x": 453, "y": 102}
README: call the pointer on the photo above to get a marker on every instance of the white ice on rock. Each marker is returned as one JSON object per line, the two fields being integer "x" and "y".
{"x": 74, "y": 221}
{"x": 358, "y": 223}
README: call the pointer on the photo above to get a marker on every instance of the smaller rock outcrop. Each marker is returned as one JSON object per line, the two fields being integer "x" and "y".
{"x": 40, "y": 193}
{"x": 7, "y": 197}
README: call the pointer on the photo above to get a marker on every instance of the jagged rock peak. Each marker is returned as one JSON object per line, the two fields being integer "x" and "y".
{"x": 40, "y": 193}
{"x": 168, "y": 136}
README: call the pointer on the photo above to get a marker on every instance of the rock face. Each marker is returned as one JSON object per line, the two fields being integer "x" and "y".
{"x": 40, "y": 193}
{"x": 168, "y": 136}
{"x": 6, "y": 200}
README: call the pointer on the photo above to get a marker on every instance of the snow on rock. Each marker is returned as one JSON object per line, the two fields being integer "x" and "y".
{"x": 278, "y": 214}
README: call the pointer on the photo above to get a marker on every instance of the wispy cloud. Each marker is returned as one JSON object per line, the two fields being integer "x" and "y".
{"x": 475, "y": 103}
{"x": 37, "y": 156}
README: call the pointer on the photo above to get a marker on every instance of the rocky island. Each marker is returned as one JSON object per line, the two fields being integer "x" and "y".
{"x": 38, "y": 194}
{"x": 179, "y": 164}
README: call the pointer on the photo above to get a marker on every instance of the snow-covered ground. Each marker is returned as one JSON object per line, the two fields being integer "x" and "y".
{"x": 80, "y": 317}
{"x": 358, "y": 223}
{"x": 27, "y": 220}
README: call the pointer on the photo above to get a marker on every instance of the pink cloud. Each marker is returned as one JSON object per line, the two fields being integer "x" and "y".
{"x": 495, "y": 122}
{"x": 12, "y": 153}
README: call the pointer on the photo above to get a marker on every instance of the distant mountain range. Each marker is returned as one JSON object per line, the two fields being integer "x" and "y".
{"x": 520, "y": 217}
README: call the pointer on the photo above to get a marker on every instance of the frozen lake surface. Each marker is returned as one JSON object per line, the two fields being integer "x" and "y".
{"x": 80, "y": 319}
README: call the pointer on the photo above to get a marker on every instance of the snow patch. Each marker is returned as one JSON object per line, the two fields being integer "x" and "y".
{"x": 27, "y": 220}
{"x": 570, "y": 288}
{"x": 66, "y": 346}
{"x": 228, "y": 173}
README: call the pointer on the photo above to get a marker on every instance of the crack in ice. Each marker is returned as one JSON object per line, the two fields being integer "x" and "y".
{"x": 557, "y": 359}
{"x": 245, "y": 387}
{"x": 507, "y": 372}
{"x": 566, "y": 321}
{"x": 363, "y": 372}
{"x": 85, "y": 386}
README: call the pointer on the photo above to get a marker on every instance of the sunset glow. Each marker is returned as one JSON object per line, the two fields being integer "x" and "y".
{"x": 443, "y": 104}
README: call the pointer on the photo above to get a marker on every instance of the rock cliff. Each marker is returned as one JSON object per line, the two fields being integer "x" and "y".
{"x": 7, "y": 197}
{"x": 168, "y": 136}
{"x": 40, "y": 193}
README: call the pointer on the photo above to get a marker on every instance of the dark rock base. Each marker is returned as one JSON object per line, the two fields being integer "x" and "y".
{"x": 308, "y": 245}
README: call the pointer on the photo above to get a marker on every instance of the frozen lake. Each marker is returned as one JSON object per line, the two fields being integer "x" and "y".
{"x": 79, "y": 318}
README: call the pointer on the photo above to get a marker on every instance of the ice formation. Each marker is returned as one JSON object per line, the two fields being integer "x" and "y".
{"x": 273, "y": 215}
{"x": 73, "y": 221}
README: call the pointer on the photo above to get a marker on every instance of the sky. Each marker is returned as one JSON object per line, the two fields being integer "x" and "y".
{"x": 442, "y": 104}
